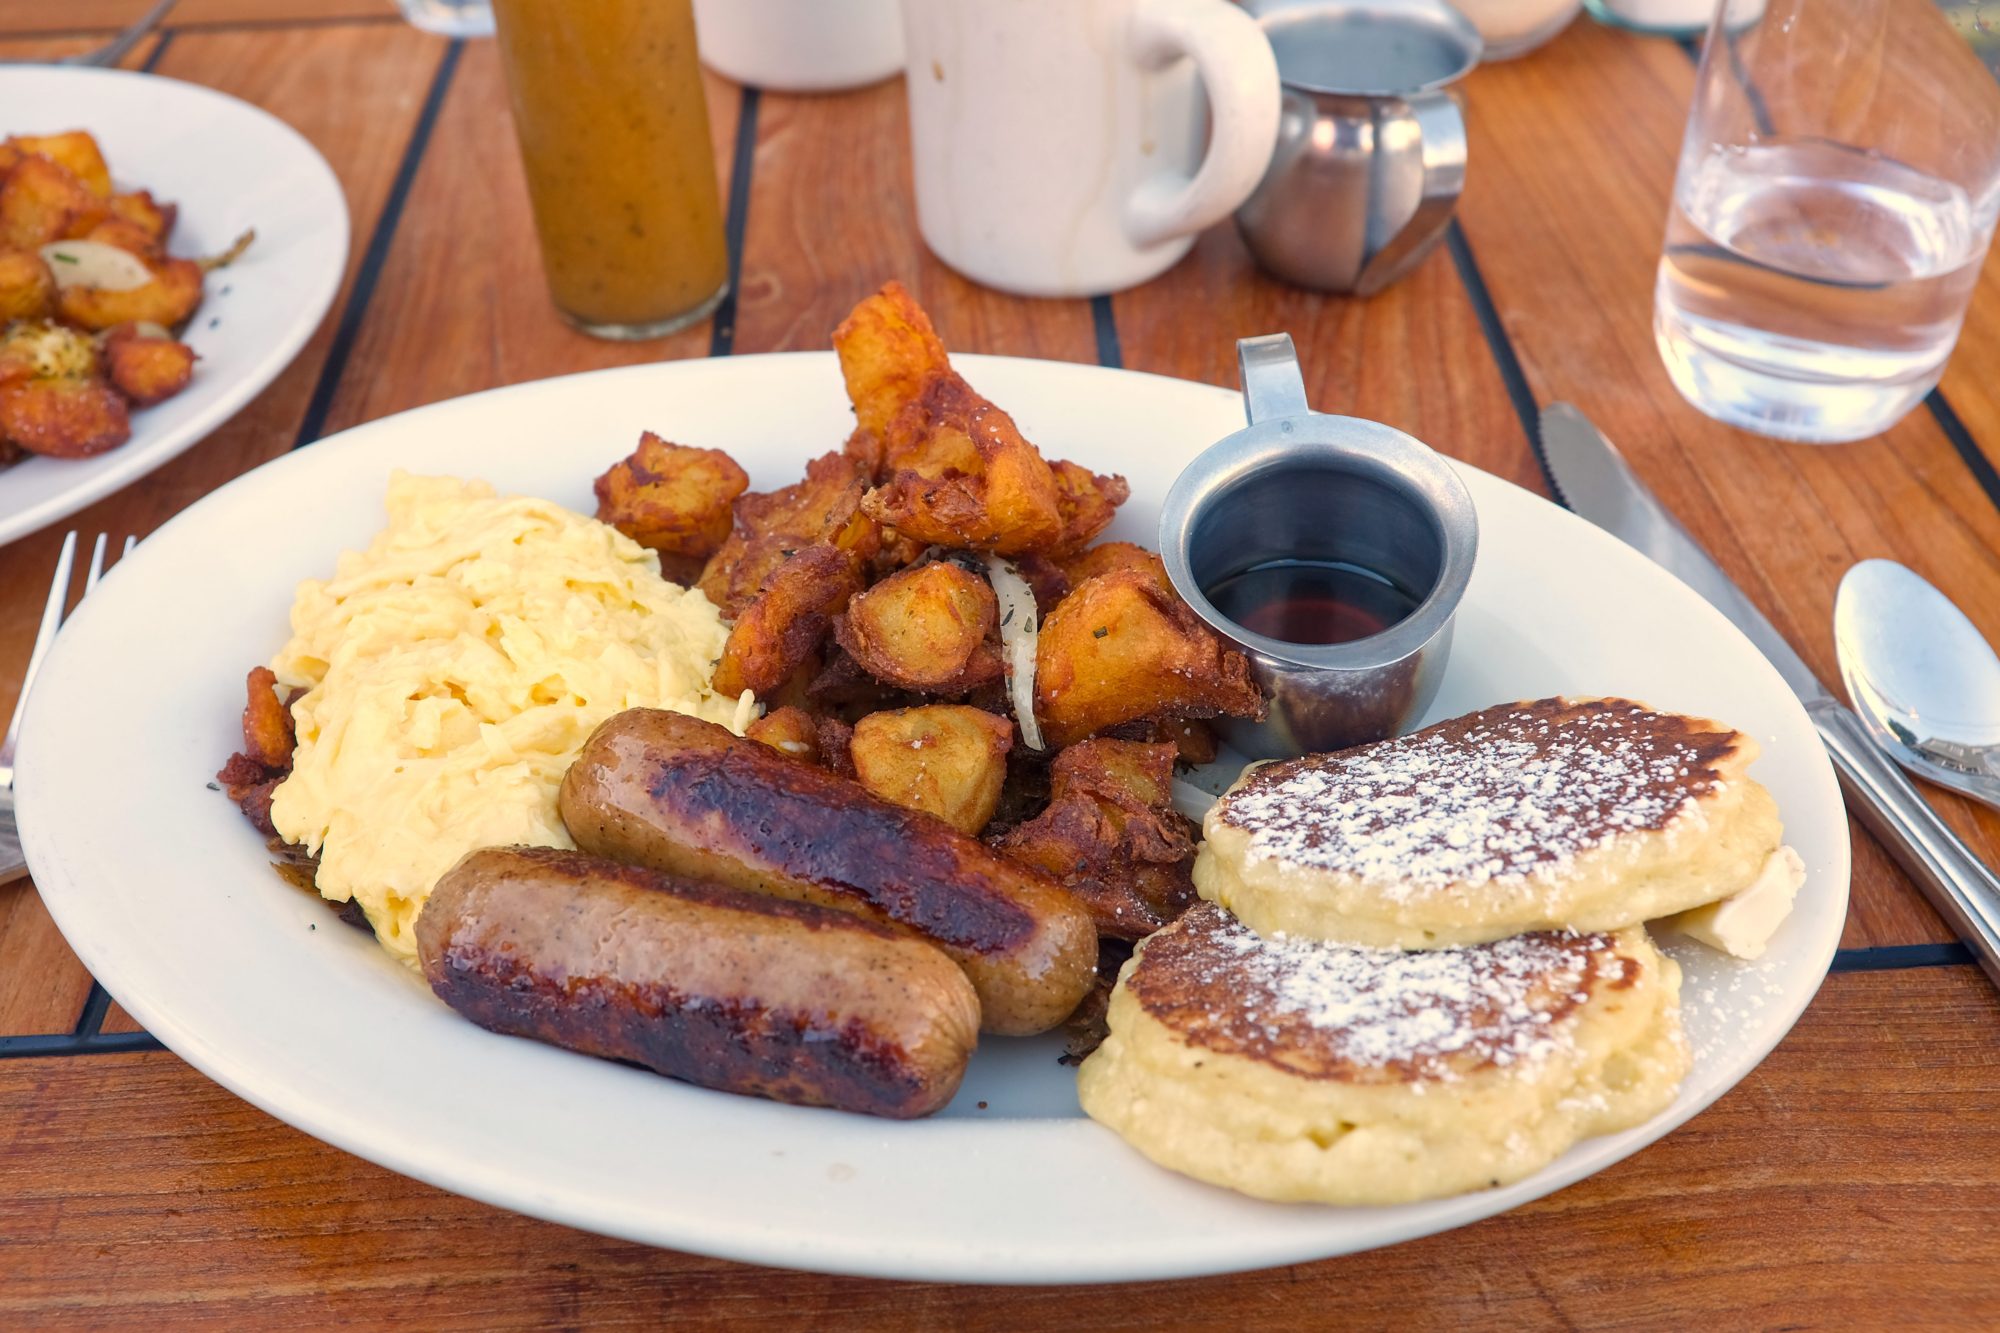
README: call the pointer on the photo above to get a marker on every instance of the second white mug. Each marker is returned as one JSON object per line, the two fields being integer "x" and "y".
{"x": 1058, "y": 143}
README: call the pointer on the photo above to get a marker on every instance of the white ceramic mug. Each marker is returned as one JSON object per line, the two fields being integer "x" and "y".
{"x": 1058, "y": 143}
{"x": 800, "y": 46}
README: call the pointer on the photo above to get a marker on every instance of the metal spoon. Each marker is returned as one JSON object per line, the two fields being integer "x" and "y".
{"x": 1921, "y": 676}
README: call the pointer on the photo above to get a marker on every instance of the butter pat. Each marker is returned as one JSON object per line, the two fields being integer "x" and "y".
{"x": 1743, "y": 923}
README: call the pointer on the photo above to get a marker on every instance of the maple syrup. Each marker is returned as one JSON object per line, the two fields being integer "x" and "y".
{"x": 1311, "y": 601}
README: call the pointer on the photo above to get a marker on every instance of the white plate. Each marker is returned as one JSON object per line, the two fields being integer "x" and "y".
{"x": 230, "y": 167}
{"x": 166, "y": 895}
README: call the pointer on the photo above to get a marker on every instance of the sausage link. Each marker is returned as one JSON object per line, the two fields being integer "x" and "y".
{"x": 682, "y": 795}
{"x": 726, "y": 989}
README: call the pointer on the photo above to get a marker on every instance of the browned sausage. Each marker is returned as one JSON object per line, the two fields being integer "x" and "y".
{"x": 683, "y": 795}
{"x": 727, "y": 989}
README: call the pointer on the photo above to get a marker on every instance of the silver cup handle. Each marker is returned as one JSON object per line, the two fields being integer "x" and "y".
{"x": 1441, "y": 127}
{"x": 1273, "y": 385}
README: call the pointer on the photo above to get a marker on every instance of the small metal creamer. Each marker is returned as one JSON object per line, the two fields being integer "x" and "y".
{"x": 1302, "y": 485}
{"x": 1371, "y": 144}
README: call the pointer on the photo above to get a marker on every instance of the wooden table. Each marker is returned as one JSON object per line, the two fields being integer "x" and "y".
{"x": 1850, "y": 1179}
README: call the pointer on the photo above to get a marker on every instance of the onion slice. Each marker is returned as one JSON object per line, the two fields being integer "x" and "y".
{"x": 1020, "y": 631}
{"x": 95, "y": 264}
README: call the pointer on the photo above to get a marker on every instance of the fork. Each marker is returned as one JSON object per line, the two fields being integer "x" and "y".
{"x": 114, "y": 50}
{"x": 12, "y": 864}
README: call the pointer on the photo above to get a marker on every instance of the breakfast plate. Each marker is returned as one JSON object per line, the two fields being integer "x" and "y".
{"x": 167, "y": 896}
{"x": 229, "y": 167}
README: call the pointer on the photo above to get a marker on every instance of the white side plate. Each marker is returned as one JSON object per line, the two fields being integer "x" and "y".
{"x": 229, "y": 167}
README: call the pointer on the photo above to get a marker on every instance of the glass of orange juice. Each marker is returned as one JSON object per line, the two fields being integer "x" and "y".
{"x": 614, "y": 134}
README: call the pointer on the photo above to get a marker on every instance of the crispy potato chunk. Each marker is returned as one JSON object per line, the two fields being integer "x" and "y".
{"x": 770, "y": 527}
{"x": 788, "y": 621}
{"x": 1122, "y": 647}
{"x": 962, "y": 475}
{"x": 944, "y": 759}
{"x": 836, "y": 746}
{"x": 42, "y": 202}
{"x": 142, "y": 210}
{"x": 1087, "y": 502}
{"x": 950, "y": 467}
{"x": 1107, "y": 556}
{"x": 888, "y": 354}
{"x": 791, "y": 731}
{"x": 76, "y": 151}
{"x": 27, "y": 288}
{"x": 64, "y": 418}
{"x": 673, "y": 499}
{"x": 1111, "y": 836}
{"x": 267, "y": 724}
{"x": 147, "y": 370}
{"x": 842, "y": 684}
{"x": 167, "y": 300}
{"x": 127, "y": 236}
{"x": 922, "y": 629}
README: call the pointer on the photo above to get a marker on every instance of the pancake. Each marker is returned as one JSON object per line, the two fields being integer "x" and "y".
{"x": 1295, "y": 1070}
{"x": 1556, "y": 814}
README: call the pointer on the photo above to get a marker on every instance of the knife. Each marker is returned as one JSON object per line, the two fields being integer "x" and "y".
{"x": 13, "y": 865}
{"x": 1593, "y": 479}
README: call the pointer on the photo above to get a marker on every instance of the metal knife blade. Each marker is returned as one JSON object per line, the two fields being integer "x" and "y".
{"x": 1598, "y": 484}
{"x": 13, "y": 864}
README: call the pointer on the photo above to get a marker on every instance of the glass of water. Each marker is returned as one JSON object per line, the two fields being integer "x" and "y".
{"x": 1837, "y": 189}
{"x": 450, "y": 18}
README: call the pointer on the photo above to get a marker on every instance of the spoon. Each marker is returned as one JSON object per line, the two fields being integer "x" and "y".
{"x": 1921, "y": 677}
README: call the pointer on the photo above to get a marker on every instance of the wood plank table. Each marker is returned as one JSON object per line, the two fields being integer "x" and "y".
{"x": 1852, "y": 1179}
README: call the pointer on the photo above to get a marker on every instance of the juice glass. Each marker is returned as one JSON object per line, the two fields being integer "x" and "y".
{"x": 614, "y": 134}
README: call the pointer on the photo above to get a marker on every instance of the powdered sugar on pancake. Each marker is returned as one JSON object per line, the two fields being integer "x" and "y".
{"x": 1504, "y": 793}
{"x": 1331, "y": 1010}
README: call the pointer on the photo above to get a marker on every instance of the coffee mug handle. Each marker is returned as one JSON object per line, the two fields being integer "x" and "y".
{"x": 1237, "y": 68}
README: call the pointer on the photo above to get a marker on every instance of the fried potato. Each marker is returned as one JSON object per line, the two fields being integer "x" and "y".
{"x": 944, "y": 759}
{"x": 27, "y": 288}
{"x": 673, "y": 499}
{"x": 836, "y": 746}
{"x": 43, "y": 201}
{"x": 1111, "y": 836}
{"x": 146, "y": 370}
{"x": 788, "y": 621}
{"x": 167, "y": 300}
{"x": 142, "y": 210}
{"x": 770, "y": 527}
{"x": 76, "y": 152}
{"x": 922, "y": 629}
{"x": 268, "y": 735}
{"x": 1107, "y": 556}
{"x": 949, "y": 466}
{"x": 791, "y": 731}
{"x": 64, "y": 418}
{"x": 1087, "y": 502}
{"x": 127, "y": 236}
{"x": 888, "y": 353}
{"x": 962, "y": 475}
{"x": 1045, "y": 578}
{"x": 844, "y": 685}
{"x": 1122, "y": 647}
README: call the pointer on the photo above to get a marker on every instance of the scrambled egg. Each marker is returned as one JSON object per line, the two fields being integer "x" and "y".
{"x": 452, "y": 672}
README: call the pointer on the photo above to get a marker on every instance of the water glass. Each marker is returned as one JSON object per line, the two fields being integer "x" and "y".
{"x": 1837, "y": 189}
{"x": 450, "y": 18}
